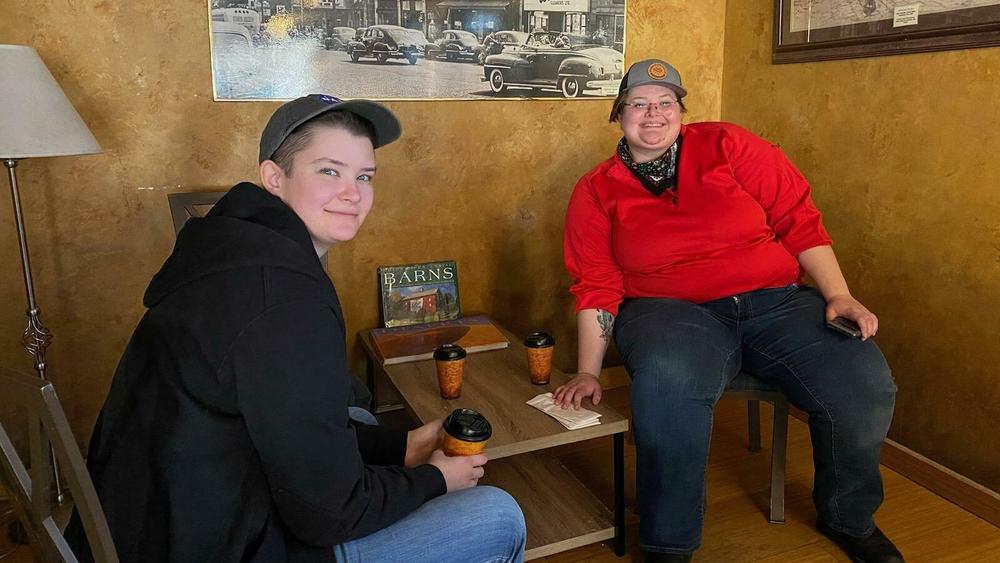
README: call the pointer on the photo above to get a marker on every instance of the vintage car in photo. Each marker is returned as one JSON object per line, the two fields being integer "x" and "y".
{"x": 339, "y": 38}
{"x": 419, "y": 39}
{"x": 454, "y": 45}
{"x": 232, "y": 58}
{"x": 552, "y": 60}
{"x": 230, "y": 36}
{"x": 497, "y": 41}
{"x": 384, "y": 42}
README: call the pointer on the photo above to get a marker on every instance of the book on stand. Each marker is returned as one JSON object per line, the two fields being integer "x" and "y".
{"x": 413, "y": 294}
{"x": 417, "y": 342}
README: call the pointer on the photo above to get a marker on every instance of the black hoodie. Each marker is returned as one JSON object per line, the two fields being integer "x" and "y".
{"x": 225, "y": 434}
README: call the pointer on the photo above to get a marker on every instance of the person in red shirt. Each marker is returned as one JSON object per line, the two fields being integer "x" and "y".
{"x": 688, "y": 247}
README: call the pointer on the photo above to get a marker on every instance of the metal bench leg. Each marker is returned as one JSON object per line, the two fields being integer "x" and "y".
{"x": 753, "y": 424}
{"x": 779, "y": 445}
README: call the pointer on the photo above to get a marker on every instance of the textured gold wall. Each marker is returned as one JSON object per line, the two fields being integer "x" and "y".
{"x": 902, "y": 156}
{"x": 484, "y": 183}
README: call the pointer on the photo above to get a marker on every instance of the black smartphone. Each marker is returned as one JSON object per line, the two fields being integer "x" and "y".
{"x": 845, "y": 326}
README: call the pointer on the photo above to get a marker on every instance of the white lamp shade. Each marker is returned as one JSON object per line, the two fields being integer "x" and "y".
{"x": 36, "y": 119}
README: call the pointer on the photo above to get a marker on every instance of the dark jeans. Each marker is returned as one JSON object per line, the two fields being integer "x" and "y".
{"x": 681, "y": 356}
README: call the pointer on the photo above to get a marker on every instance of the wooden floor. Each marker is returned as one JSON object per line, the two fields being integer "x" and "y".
{"x": 923, "y": 525}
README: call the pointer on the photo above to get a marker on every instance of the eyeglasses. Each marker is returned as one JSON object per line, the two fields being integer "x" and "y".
{"x": 664, "y": 106}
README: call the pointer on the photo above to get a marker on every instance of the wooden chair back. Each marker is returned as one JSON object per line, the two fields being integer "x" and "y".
{"x": 31, "y": 486}
{"x": 185, "y": 205}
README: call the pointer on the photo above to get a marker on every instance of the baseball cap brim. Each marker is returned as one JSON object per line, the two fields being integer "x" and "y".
{"x": 679, "y": 90}
{"x": 387, "y": 127}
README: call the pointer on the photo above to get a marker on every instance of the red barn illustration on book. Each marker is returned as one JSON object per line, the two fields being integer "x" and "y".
{"x": 423, "y": 302}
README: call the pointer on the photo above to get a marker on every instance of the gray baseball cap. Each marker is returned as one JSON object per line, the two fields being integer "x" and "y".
{"x": 652, "y": 71}
{"x": 291, "y": 115}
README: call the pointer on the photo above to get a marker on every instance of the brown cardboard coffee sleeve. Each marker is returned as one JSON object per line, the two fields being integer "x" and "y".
{"x": 450, "y": 377}
{"x": 540, "y": 364}
{"x": 452, "y": 446}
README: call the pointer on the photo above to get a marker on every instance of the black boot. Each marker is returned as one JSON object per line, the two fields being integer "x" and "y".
{"x": 667, "y": 557}
{"x": 876, "y": 548}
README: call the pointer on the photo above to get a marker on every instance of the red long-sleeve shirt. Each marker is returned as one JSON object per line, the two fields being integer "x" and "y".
{"x": 743, "y": 214}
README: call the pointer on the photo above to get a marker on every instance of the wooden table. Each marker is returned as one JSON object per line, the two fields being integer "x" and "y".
{"x": 560, "y": 513}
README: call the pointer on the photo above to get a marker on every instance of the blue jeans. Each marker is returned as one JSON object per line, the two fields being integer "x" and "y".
{"x": 477, "y": 525}
{"x": 682, "y": 355}
{"x": 361, "y": 415}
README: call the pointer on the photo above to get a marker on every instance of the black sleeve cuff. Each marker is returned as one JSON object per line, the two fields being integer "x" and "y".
{"x": 435, "y": 479}
{"x": 380, "y": 445}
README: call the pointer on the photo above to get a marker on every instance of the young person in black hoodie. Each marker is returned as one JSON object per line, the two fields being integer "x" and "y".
{"x": 226, "y": 435}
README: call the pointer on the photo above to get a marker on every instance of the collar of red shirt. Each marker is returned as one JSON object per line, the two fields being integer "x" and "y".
{"x": 621, "y": 173}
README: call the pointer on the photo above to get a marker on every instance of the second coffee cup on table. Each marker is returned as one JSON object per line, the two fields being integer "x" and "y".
{"x": 465, "y": 433}
{"x": 450, "y": 361}
{"x": 539, "y": 347}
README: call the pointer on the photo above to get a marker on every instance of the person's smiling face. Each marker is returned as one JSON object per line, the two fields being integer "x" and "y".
{"x": 330, "y": 185}
{"x": 650, "y": 130}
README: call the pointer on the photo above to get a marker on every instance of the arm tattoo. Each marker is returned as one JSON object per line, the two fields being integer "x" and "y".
{"x": 607, "y": 322}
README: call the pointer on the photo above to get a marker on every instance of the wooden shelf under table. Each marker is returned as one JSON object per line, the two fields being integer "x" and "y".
{"x": 560, "y": 513}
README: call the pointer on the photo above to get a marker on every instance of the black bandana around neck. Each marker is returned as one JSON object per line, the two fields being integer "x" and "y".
{"x": 657, "y": 175}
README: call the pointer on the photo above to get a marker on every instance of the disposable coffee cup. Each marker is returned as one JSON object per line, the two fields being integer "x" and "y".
{"x": 465, "y": 433}
{"x": 450, "y": 361}
{"x": 539, "y": 347}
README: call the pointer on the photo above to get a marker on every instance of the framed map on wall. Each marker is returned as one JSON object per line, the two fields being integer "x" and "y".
{"x": 416, "y": 49}
{"x": 815, "y": 30}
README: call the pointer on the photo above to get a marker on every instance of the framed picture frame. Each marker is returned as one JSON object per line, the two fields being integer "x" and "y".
{"x": 817, "y": 30}
{"x": 417, "y": 49}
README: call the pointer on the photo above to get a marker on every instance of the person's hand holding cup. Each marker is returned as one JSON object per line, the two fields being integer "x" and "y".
{"x": 459, "y": 472}
{"x": 460, "y": 458}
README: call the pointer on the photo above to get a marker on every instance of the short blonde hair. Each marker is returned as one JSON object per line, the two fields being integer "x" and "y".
{"x": 300, "y": 137}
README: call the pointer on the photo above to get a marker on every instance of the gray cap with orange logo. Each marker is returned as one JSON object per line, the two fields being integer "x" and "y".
{"x": 652, "y": 71}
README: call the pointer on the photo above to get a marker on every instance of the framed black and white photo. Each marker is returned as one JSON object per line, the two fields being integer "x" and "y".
{"x": 417, "y": 49}
{"x": 815, "y": 30}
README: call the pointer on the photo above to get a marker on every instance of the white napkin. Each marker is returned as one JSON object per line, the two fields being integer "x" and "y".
{"x": 570, "y": 418}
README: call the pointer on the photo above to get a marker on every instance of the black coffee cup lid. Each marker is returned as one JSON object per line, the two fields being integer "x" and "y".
{"x": 468, "y": 425}
{"x": 449, "y": 352}
{"x": 539, "y": 340}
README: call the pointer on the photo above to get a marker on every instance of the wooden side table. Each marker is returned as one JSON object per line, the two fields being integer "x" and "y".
{"x": 560, "y": 513}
